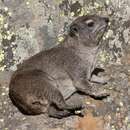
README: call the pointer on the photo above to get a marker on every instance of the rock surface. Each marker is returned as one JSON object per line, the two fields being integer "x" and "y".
{"x": 29, "y": 26}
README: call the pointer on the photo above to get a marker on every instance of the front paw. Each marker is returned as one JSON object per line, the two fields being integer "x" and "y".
{"x": 101, "y": 80}
{"x": 100, "y": 94}
{"x": 104, "y": 80}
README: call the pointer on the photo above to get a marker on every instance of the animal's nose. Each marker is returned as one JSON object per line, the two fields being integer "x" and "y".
{"x": 106, "y": 19}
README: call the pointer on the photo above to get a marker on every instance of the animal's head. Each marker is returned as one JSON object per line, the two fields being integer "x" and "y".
{"x": 88, "y": 30}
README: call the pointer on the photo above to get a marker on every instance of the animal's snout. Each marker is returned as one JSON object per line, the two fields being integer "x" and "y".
{"x": 106, "y": 19}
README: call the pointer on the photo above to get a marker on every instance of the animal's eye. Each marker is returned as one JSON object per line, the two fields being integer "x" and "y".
{"x": 90, "y": 23}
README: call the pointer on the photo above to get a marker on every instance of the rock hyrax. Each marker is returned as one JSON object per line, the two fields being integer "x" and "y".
{"x": 42, "y": 83}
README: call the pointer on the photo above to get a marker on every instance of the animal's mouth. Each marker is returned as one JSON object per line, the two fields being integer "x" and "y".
{"x": 100, "y": 33}
{"x": 102, "y": 29}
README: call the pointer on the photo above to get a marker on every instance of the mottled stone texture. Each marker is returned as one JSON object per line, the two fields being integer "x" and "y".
{"x": 29, "y": 26}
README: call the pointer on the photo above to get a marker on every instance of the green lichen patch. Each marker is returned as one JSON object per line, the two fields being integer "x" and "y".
{"x": 6, "y": 38}
{"x": 26, "y": 44}
{"x": 104, "y": 56}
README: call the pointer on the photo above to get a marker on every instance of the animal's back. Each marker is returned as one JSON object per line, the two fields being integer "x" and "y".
{"x": 60, "y": 64}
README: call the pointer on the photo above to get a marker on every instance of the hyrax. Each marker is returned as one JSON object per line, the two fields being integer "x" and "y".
{"x": 42, "y": 83}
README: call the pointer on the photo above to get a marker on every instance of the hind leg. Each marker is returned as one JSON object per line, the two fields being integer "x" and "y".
{"x": 35, "y": 106}
{"x": 34, "y": 88}
{"x": 60, "y": 102}
{"x": 56, "y": 113}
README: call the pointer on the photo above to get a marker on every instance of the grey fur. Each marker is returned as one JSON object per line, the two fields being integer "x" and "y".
{"x": 43, "y": 82}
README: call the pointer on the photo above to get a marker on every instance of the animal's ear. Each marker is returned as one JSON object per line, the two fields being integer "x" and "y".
{"x": 73, "y": 30}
